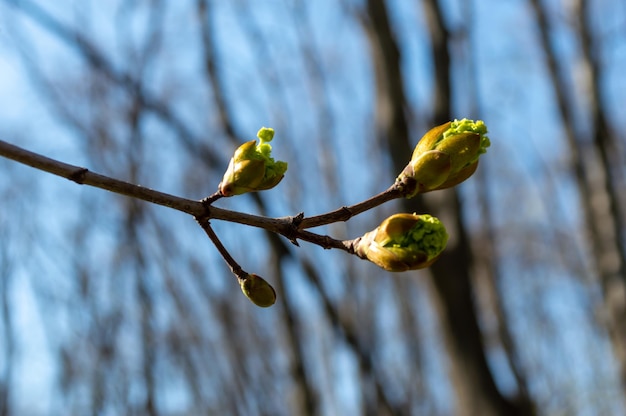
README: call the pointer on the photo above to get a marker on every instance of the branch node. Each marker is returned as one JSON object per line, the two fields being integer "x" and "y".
{"x": 78, "y": 175}
{"x": 206, "y": 203}
{"x": 212, "y": 198}
{"x": 347, "y": 213}
{"x": 291, "y": 230}
{"x": 297, "y": 219}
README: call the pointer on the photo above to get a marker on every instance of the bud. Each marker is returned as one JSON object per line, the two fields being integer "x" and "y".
{"x": 258, "y": 290}
{"x": 445, "y": 156}
{"x": 252, "y": 168}
{"x": 404, "y": 242}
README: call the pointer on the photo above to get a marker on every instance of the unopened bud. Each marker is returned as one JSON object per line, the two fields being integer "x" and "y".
{"x": 258, "y": 290}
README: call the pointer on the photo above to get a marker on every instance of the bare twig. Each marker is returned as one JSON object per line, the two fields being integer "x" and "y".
{"x": 232, "y": 263}
{"x": 345, "y": 213}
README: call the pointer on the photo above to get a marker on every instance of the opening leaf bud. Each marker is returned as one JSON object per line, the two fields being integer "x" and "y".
{"x": 462, "y": 141}
{"x": 252, "y": 167}
{"x": 404, "y": 242}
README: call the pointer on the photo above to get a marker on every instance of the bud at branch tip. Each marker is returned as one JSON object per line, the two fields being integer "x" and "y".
{"x": 252, "y": 168}
{"x": 258, "y": 290}
{"x": 445, "y": 156}
{"x": 404, "y": 242}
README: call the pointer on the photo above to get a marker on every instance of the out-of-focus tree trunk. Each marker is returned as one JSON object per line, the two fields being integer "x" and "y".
{"x": 476, "y": 390}
{"x": 595, "y": 163}
{"x": 611, "y": 256}
{"x": 6, "y": 324}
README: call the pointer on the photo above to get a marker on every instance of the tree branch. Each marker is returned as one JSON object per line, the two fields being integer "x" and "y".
{"x": 232, "y": 263}
{"x": 83, "y": 176}
{"x": 290, "y": 227}
{"x": 345, "y": 213}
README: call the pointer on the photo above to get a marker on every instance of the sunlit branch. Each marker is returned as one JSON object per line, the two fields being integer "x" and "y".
{"x": 232, "y": 263}
{"x": 203, "y": 211}
{"x": 84, "y": 176}
{"x": 345, "y": 213}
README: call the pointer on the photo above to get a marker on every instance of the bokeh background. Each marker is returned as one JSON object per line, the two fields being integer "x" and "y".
{"x": 110, "y": 305}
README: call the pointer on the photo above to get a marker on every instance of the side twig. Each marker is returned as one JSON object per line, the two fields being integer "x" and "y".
{"x": 232, "y": 263}
{"x": 345, "y": 213}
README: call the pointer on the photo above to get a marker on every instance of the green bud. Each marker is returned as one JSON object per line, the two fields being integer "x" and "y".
{"x": 258, "y": 290}
{"x": 252, "y": 168}
{"x": 404, "y": 242}
{"x": 463, "y": 141}
{"x": 469, "y": 126}
{"x": 430, "y": 139}
{"x": 462, "y": 148}
{"x": 459, "y": 176}
{"x": 428, "y": 171}
{"x": 265, "y": 134}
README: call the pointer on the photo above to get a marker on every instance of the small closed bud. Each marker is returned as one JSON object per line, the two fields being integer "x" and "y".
{"x": 404, "y": 242}
{"x": 462, "y": 141}
{"x": 252, "y": 168}
{"x": 258, "y": 290}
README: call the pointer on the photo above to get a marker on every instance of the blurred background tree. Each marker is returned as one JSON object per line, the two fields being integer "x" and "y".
{"x": 113, "y": 306}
